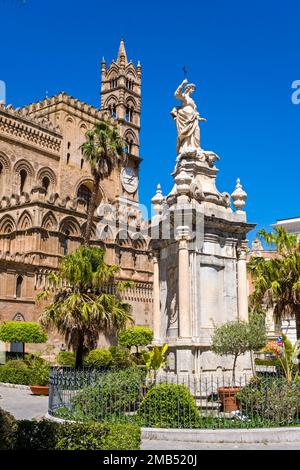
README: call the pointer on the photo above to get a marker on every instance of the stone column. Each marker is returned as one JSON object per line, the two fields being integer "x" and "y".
{"x": 242, "y": 284}
{"x": 156, "y": 297}
{"x": 183, "y": 283}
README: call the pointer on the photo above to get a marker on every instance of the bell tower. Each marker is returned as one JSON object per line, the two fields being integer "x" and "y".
{"x": 121, "y": 96}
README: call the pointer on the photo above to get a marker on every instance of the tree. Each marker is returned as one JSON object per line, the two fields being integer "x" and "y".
{"x": 135, "y": 336}
{"x": 104, "y": 151}
{"x": 231, "y": 338}
{"x": 22, "y": 332}
{"x": 277, "y": 280}
{"x": 81, "y": 308}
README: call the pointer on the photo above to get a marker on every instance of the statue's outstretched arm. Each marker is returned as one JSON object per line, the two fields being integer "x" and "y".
{"x": 178, "y": 93}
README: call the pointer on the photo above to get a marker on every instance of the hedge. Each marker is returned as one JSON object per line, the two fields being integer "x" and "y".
{"x": 49, "y": 435}
{"x": 22, "y": 332}
{"x": 16, "y": 372}
{"x": 169, "y": 405}
{"x": 135, "y": 336}
{"x": 98, "y": 358}
{"x": 31, "y": 371}
{"x": 66, "y": 358}
{"x": 274, "y": 400}
{"x": 116, "y": 392}
{"x": 8, "y": 429}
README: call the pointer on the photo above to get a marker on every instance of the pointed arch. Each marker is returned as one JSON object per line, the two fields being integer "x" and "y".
{"x": 25, "y": 221}
{"x": 105, "y": 234}
{"x": 139, "y": 242}
{"x": 93, "y": 230}
{"x": 71, "y": 226}
{"x": 123, "y": 239}
{"x": 49, "y": 222}
{"x": 112, "y": 71}
{"x": 130, "y": 136}
{"x": 7, "y": 225}
{"x": 130, "y": 101}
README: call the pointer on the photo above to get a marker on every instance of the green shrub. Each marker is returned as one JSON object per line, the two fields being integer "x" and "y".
{"x": 66, "y": 358}
{"x": 40, "y": 372}
{"x": 122, "y": 437}
{"x": 98, "y": 358}
{"x": 37, "y": 435}
{"x": 274, "y": 400}
{"x": 16, "y": 372}
{"x": 169, "y": 405}
{"x": 31, "y": 371}
{"x": 120, "y": 357}
{"x": 135, "y": 336}
{"x": 79, "y": 436}
{"x": 115, "y": 392}
{"x": 22, "y": 332}
{"x": 49, "y": 435}
{"x": 8, "y": 429}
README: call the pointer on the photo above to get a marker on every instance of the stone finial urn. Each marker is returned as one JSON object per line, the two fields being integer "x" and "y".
{"x": 239, "y": 196}
{"x": 158, "y": 200}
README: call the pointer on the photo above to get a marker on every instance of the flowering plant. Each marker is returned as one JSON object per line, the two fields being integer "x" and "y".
{"x": 272, "y": 347}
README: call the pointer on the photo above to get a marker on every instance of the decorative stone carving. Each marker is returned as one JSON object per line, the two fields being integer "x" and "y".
{"x": 187, "y": 120}
{"x": 158, "y": 200}
{"x": 183, "y": 181}
{"x": 239, "y": 196}
{"x": 256, "y": 247}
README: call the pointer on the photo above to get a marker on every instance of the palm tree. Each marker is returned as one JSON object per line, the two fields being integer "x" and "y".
{"x": 277, "y": 280}
{"x": 104, "y": 151}
{"x": 82, "y": 308}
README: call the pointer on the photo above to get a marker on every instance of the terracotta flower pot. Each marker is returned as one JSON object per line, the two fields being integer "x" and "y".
{"x": 228, "y": 398}
{"x": 39, "y": 389}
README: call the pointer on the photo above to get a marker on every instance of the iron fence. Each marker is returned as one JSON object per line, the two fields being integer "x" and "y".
{"x": 174, "y": 401}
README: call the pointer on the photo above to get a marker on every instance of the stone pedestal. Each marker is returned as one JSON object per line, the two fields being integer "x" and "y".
{"x": 200, "y": 267}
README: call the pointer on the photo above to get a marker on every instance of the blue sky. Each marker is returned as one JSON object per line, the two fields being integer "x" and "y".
{"x": 243, "y": 57}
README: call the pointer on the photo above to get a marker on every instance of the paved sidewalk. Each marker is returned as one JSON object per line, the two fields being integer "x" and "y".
{"x": 149, "y": 444}
{"x": 22, "y": 404}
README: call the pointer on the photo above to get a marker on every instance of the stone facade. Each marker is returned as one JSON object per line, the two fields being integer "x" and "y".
{"x": 45, "y": 186}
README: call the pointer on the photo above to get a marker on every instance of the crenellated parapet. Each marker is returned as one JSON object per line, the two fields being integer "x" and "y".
{"x": 17, "y": 124}
{"x": 65, "y": 101}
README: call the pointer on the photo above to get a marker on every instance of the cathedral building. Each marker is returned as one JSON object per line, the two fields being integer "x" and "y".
{"x": 45, "y": 187}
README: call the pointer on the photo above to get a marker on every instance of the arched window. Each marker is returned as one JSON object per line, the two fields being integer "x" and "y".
{"x": 45, "y": 183}
{"x": 84, "y": 193}
{"x": 19, "y": 283}
{"x": 23, "y": 178}
{"x": 129, "y": 144}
